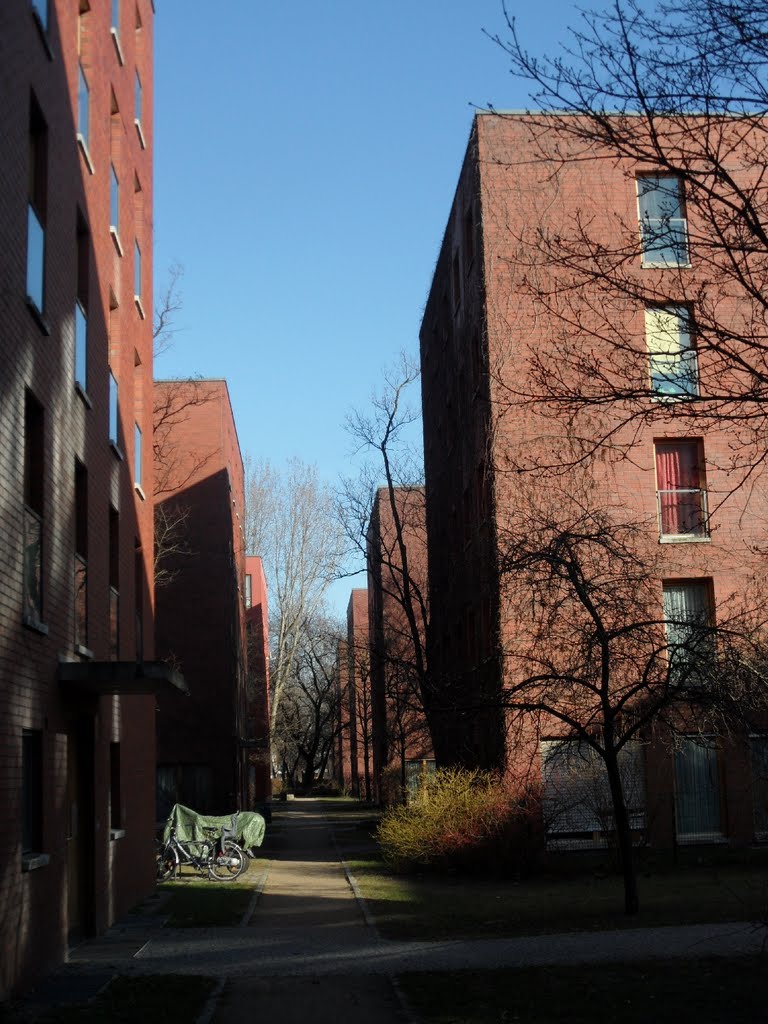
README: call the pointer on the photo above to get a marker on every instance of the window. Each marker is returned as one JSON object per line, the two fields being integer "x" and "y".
{"x": 138, "y": 584}
{"x": 577, "y": 805}
{"x": 137, "y": 455}
{"x": 138, "y": 107}
{"x": 83, "y": 108}
{"x": 113, "y": 411}
{"x": 31, "y": 790}
{"x": 33, "y": 511}
{"x": 758, "y": 749}
{"x": 698, "y": 805}
{"x": 248, "y": 591}
{"x": 114, "y": 584}
{"x": 115, "y": 30}
{"x": 689, "y": 628}
{"x": 81, "y": 305}
{"x": 663, "y": 226}
{"x": 36, "y": 212}
{"x": 681, "y": 494}
{"x": 81, "y": 557}
{"x": 673, "y": 365}
{"x": 137, "y": 279}
{"x": 114, "y": 201}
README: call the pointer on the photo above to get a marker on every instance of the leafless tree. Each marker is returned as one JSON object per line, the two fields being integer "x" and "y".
{"x": 678, "y": 90}
{"x": 595, "y": 661}
{"x": 308, "y": 719}
{"x": 291, "y": 523}
{"x": 384, "y": 518}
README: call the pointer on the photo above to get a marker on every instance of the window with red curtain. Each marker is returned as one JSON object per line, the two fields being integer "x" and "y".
{"x": 681, "y": 494}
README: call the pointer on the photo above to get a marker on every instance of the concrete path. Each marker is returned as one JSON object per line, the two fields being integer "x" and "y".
{"x": 306, "y": 951}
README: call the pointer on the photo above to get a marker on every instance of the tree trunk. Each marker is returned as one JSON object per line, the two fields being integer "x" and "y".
{"x": 623, "y": 833}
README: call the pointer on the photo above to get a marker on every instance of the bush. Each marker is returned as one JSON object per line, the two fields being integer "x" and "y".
{"x": 465, "y": 820}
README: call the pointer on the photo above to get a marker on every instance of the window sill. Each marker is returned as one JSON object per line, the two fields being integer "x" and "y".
{"x": 116, "y": 833}
{"x": 139, "y": 491}
{"x": 140, "y": 133}
{"x": 84, "y": 652}
{"x": 33, "y": 861}
{"x": 83, "y": 394}
{"x": 701, "y": 839}
{"x": 83, "y": 145}
{"x": 664, "y": 266}
{"x": 116, "y": 450}
{"x": 116, "y": 239}
{"x": 684, "y": 539}
{"x": 38, "y": 317}
{"x": 139, "y": 306}
{"x": 35, "y": 625}
{"x": 118, "y": 47}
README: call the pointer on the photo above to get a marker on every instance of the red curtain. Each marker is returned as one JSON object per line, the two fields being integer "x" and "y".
{"x": 679, "y": 484}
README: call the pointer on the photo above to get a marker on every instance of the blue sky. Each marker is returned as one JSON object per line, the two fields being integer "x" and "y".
{"x": 306, "y": 156}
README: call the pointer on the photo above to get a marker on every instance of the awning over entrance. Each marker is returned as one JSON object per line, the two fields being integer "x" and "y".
{"x": 100, "y": 678}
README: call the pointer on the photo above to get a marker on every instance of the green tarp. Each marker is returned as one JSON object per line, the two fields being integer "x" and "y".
{"x": 191, "y": 825}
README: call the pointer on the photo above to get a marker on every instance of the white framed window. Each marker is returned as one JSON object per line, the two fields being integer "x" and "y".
{"x": 681, "y": 490}
{"x": 113, "y": 411}
{"x": 688, "y": 621}
{"x": 137, "y": 456}
{"x": 83, "y": 107}
{"x": 673, "y": 364}
{"x": 577, "y": 805}
{"x": 663, "y": 223}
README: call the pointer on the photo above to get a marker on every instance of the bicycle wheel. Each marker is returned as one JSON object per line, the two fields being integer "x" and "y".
{"x": 227, "y": 863}
{"x": 167, "y": 861}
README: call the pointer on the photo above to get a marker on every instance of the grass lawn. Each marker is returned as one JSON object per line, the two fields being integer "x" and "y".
{"x": 198, "y": 902}
{"x": 712, "y": 991}
{"x": 162, "y": 999}
{"x": 438, "y": 906}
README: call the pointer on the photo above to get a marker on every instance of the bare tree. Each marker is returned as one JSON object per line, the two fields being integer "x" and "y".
{"x": 308, "y": 719}
{"x": 384, "y": 517}
{"x": 676, "y": 92}
{"x": 291, "y": 523}
{"x": 597, "y": 663}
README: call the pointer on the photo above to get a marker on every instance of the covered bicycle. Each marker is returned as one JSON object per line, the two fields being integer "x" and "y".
{"x": 217, "y": 844}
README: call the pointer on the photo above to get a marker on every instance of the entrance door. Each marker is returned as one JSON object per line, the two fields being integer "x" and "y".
{"x": 79, "y": 825}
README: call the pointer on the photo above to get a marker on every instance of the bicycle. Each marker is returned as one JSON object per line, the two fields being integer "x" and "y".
{"x": 218, "y": 856}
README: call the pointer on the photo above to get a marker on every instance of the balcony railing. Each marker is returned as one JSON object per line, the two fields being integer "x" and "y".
{"x": 683, "y": 512}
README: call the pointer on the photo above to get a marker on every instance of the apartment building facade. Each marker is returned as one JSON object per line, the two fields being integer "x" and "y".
{"x": 202, "y": 739}
{"x": 77, "y": 675}
{"x": 502, "y": 314}
{"x": 258, "y": 781}
{"x": 355, "y": 744}
{"x": 396, "y": 553}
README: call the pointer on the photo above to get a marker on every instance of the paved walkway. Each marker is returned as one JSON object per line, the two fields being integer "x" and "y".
{"x": 307, "y": 949}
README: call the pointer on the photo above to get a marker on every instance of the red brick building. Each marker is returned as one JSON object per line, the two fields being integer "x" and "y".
{"x": 398, "y": 618}
{"x": 258, "y": 782}
{"x": 497, "y": 316}
{"x": 77, "y": 679}
{"x": 203, "y": 739}
{"x": 354, "y": 749}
